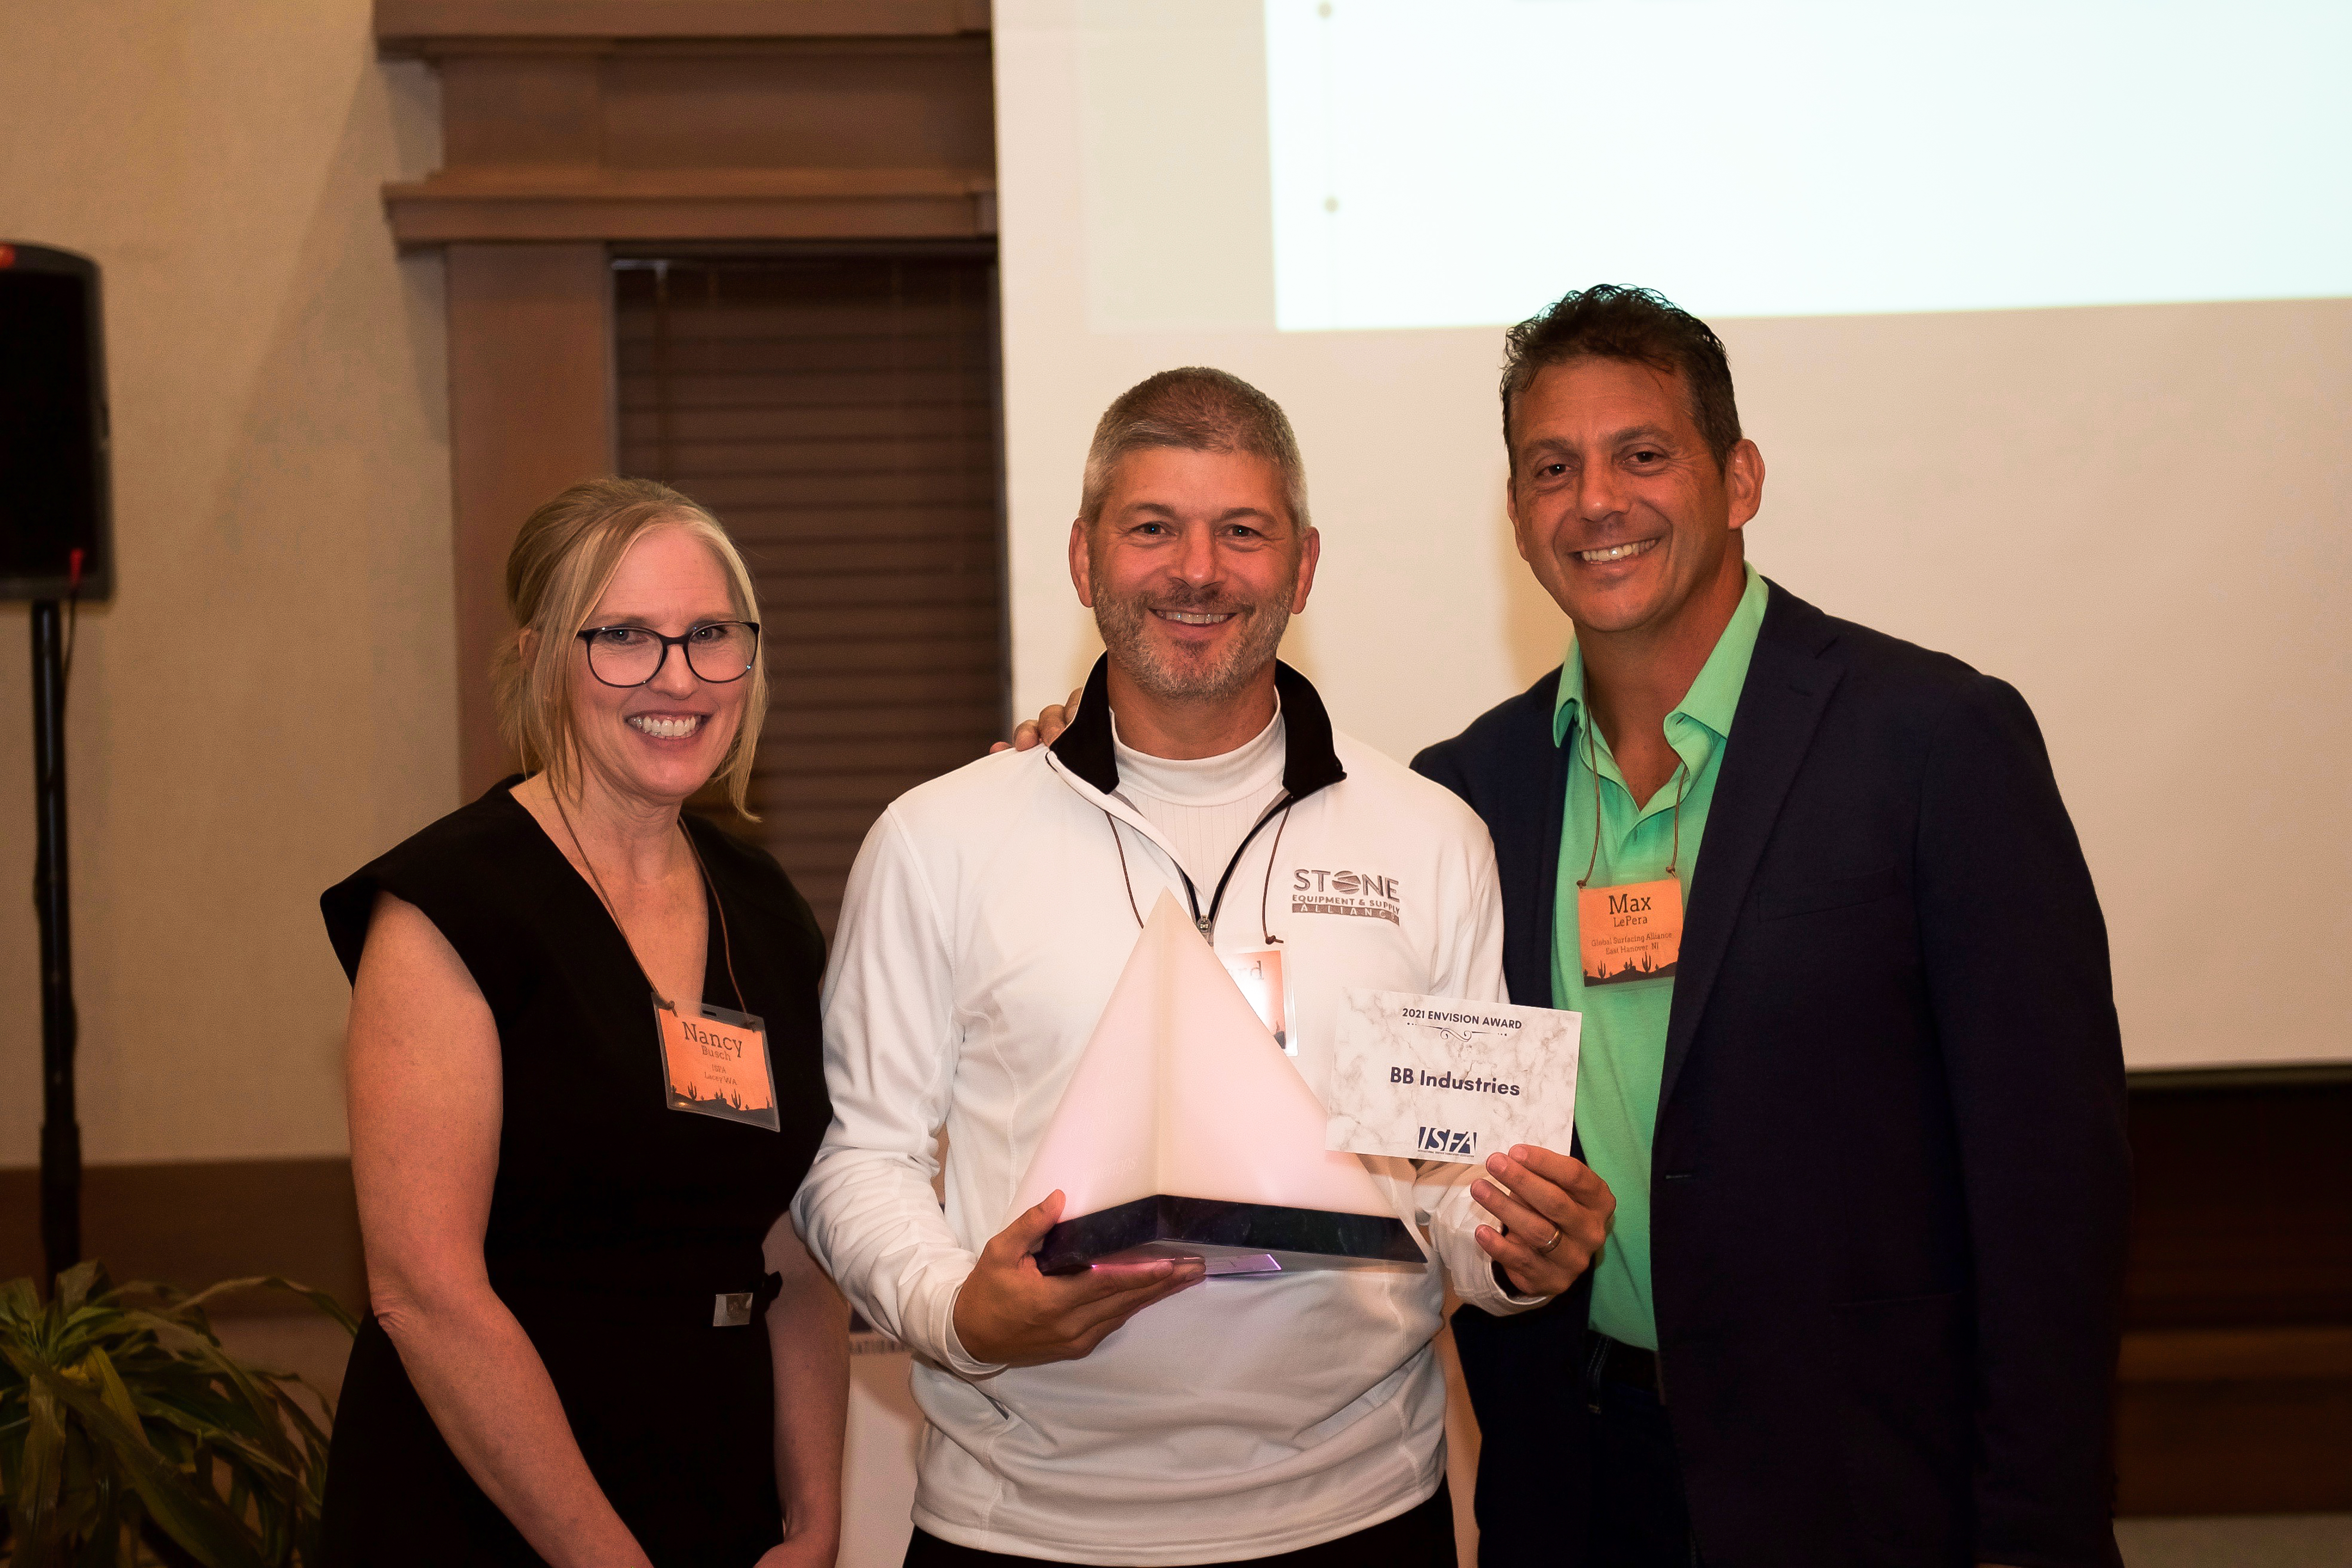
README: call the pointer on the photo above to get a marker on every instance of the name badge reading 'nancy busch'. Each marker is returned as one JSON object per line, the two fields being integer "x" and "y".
{"x": 714, "y": 1063}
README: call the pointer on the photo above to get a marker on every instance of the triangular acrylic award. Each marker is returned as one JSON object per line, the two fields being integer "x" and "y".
{"x": 1186, "y": 1132}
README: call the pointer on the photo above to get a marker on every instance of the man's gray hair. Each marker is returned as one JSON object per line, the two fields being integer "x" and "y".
{"x": 1194, "y": 409}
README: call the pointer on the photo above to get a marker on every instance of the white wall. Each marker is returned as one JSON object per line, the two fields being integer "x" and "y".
{"x": 267, "y": 702}
{"x": 2137, "y": 515}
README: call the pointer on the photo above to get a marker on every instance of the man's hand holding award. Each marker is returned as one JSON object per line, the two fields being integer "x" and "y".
{"x": 1011, "y": 1313}
{"x": 1186, "y": 1145}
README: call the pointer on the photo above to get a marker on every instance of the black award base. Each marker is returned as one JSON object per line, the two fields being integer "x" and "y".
{"x": 1236, "y": 1238}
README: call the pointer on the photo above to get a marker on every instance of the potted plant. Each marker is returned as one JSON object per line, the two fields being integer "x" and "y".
{"x": 128, "y": 1435}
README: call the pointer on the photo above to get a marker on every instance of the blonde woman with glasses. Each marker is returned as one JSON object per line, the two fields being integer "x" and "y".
{"x": 586, "y": 1080}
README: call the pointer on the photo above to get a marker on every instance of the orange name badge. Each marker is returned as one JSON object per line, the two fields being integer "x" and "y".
{"x": 1259, "y": 975}
{"x": 714, "y": 1063}
{"x": 1629, "y": 933}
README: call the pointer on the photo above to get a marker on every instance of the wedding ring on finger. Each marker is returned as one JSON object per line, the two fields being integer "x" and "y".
{"x": 1545, "y": 1249}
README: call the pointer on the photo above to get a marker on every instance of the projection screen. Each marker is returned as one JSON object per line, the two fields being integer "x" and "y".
{"x": 2037, "y": 313}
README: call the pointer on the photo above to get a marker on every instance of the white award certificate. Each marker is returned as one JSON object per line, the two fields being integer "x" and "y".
{"x": 1436, "y": 1078}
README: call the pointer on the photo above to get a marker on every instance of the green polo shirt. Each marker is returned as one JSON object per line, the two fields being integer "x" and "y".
{"x": 1622, "y": 1053}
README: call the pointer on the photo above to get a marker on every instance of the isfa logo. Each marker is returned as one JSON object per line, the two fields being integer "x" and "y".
{"x": 1446, "y": 1140}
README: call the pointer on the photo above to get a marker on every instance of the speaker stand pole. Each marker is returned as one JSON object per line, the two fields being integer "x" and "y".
{"x": 60, "y": 1133}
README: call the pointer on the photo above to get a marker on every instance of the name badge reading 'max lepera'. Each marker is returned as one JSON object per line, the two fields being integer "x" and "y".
{"x": 1630, "y": 932}
{"x": 714, "y": 1063}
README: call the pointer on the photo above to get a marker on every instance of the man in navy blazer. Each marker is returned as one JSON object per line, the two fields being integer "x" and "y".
{"x": 1864, "y": 1118}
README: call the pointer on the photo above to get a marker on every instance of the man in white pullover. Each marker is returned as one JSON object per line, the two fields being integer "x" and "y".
{"x": 1297, "y": 1418}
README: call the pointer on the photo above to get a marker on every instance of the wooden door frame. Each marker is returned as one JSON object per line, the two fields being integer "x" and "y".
{"x": 573, "y": 127}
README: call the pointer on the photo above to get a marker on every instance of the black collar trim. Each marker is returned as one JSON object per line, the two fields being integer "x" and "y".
{"x": 1309, "y": 761}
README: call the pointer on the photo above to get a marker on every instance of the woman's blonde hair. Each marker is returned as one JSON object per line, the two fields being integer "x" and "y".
{"x": 562, "y": 560}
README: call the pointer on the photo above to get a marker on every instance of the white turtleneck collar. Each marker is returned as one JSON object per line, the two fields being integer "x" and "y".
{"x": 1241, "y": 774}
{"x": 1203, "y": 808}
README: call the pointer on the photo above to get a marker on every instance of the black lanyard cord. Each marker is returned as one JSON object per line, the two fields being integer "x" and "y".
{"x": 1117, "y": 843}
{"x": 1207, "y": 927}
{"x": 726, "y": 942}
{"x": 1272, "y": 850}
{"x": 1279, "y": 808}
{"x": 1593, "y": 761}
{"x": 1191, "y": 894}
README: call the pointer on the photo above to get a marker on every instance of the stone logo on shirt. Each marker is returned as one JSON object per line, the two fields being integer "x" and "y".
{"x": 1364, "y": 893}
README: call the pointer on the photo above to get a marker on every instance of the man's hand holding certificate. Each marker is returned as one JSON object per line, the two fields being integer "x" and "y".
{"x": 1437, "y": 1078}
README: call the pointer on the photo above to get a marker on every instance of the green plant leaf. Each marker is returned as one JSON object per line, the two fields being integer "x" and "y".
{"x": 313, "y": 1436}
{"x": 112, "y": 1393}
{"x": 319, "y": 1299}
{"x": 75, "y": 1284}
{"x": 112, "y": 1540}
{"x": 152, "y": 1442}
{"x": 181, "y": 1506}
{"x": 32, "y": 1501}
{"x": 252, "y": 1415}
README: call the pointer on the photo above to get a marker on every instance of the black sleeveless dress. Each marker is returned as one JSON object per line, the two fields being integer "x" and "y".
{"x": 615, "y": 1222}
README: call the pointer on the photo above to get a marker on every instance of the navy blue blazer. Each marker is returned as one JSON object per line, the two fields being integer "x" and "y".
{"x": 1890, "y": 1181}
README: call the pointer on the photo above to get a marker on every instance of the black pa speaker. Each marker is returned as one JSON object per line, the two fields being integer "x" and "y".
{"x": 56, "y": 515}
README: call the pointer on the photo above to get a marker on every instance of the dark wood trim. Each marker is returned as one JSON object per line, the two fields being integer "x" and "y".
{"x": 2237, "y": 1355}
{"x": 2234, "y": 1389}
{"x": 530, "y": 411}
{"x": 691, "y": 205}
{"x": 2242, "y": 1200}
{"x": 431, "y": 27}
{"x": 195, "y": 1224}
{"x": 2236, "y": 1421}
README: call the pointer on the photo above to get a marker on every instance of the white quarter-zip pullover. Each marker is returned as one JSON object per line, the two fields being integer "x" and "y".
{"x": 985, "y": 921}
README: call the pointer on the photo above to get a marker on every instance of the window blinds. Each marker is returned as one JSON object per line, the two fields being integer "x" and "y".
{"x": 838, "y": 414}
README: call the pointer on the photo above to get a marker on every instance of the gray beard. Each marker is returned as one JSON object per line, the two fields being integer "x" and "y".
{"x": 1177, "y": 677}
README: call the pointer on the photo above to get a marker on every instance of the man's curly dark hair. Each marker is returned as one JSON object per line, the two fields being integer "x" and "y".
{"x": 1607, "y": 321}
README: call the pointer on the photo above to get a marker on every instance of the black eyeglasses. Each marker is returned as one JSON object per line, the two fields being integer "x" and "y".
{"x": 716, "y": 651}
